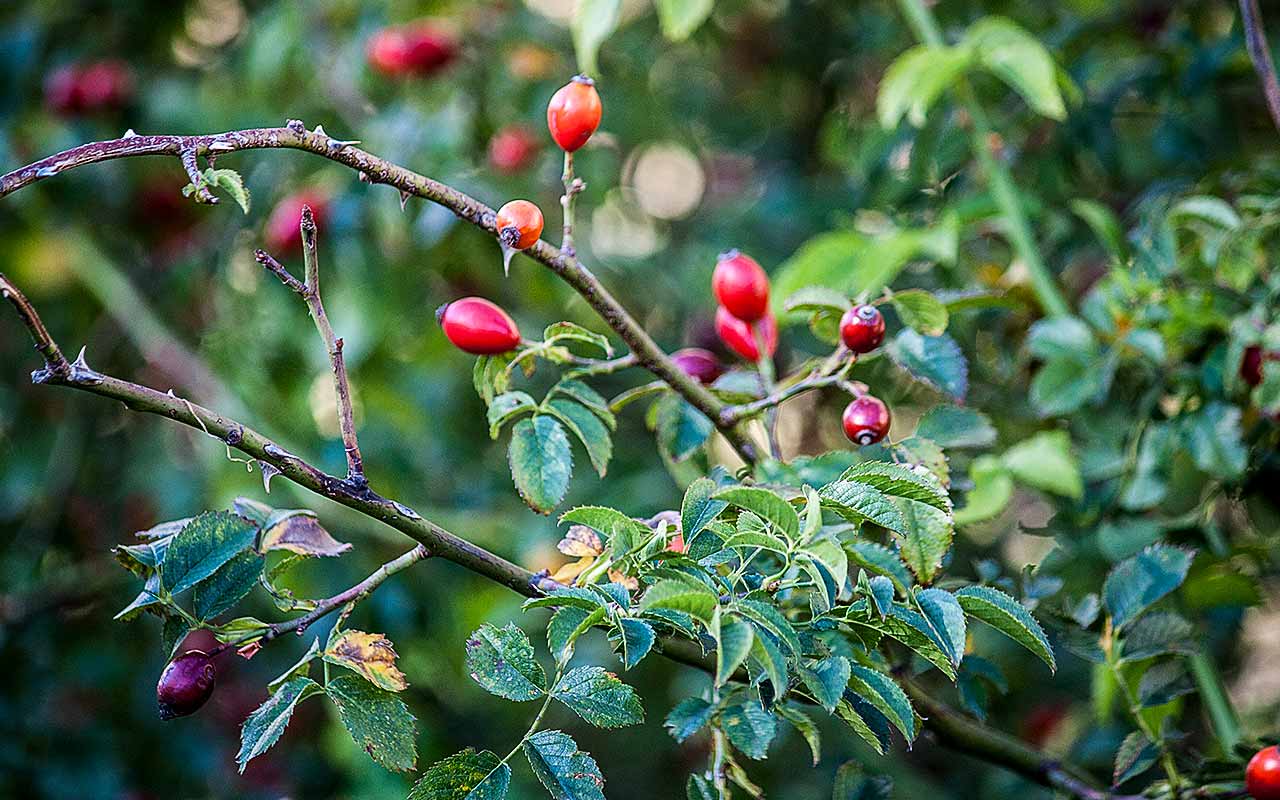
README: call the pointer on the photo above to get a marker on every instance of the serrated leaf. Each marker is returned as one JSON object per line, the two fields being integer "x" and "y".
{"x": 921, "y": 311}
{"x": 768, "y": 657}
{"x": 1045, "y": 462}
{"x": 927, "y": 538}
{"x": 880, "y": 560}
{"x": 572, "y": 332}
{"x": 264, "y": 726}
{"x": 299, "y": 532}
{"x": 1164, "y": 682}
{"x": 957, "y": 427}
{"x": 882, "y": 592}
{"x": 377, "y": 721}
{"x": 226, "y": 586}
{"x": 577, "y": 596}
{"x": 764, "y": 504}
{"x": 229, "y": 181}
{"x": 370, "y": 655}
{"x": 541, "y": 462}
{"x": 599, "y": 697}
{"x": 680, "y": 18}
{"x": 1138, "y": 582}
{"x": 565, "y": 771}
{"x": 749, "y": 727}
{"x": 148, "y": 597}
{"x": 584, "y": 394}
{"x": 506, "y": 407}
{"x": 688, "y": 596}
{"x": 1008, "y": 616}
{"x": 688, "y": 717}
{"x": 882, "y": 692}
{"x": 205, "y": 544}
{"x": 851, "y": 711}
{"x": 566, "y": 625}
{"x": 584, "y": 424}
{"x": 806, "y": 728}
{"x": 857, "y": 501}
{"x": 681, "y": 428}
{"x": 826, "y": 680}
{"x": 1157, "y": 634}
{"x": 501, "y": 660}
{"x": 468, "y": 775}
{"x": 933, "y": 360}
{"x": 1135, "y": 756}
{"x": 734, "y": 639}
{"x": 945, "y": 618}
{"x": 637, "y": 638}
{"x": 900, "y": 480}
{"x": 593, "y": 22}
{"x": 767, "y": 617}
{"x": 698, "y": 508}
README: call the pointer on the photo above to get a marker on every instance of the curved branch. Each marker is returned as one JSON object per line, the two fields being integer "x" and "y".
{"x": 1255, "y": 38}
{"x": 373, "y": 169}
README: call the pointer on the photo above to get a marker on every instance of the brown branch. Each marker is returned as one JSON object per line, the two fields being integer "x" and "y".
{"x": 55, "y": 362}
{"x": 373, "y": 169}
{"x": 1255, "y": 37}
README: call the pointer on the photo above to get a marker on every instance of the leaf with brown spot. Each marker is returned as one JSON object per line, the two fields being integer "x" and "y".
{"x": 581, "y": 541}
{"x": 300, "y": 532}
{"x": 371, "y": 655}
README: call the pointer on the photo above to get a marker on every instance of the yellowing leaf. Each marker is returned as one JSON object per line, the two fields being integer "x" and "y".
{"x": 569, "y": 572}
{"x": 369, "y": 654}
{"x": 302, "y": 533}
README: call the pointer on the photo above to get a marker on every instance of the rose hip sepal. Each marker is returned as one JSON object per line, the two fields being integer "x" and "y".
{"x": 866, "y": 420}
{"x": 741, "y": 286}
{"x": 185, "y": 685}
{"x": 574, "y": 113}
{"x": 519, "y": 224}
{"x": 701, "y": 365}
{"x": 478, "y": 326}
{"x": 862, "y": 328}
{"x": 739, "y": 336}
{"x": 1262, "y": 776}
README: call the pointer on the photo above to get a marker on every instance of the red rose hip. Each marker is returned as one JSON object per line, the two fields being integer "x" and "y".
{"x": 185, "y": 684}
{"x": 862, "y": 328}
{"x": 475, "y": 325}
{"x": 701, "y": 365}
{"x": 1251, "y": 365}
{"x": 866, "y": 420}
{"x": 419, "y": 48}
{"x": 512, "y": 149}
{"x": 519, "y": 224}
{"x": 283, "y": 233}
{"x": 388, "y": 52}
{"x": 739, "y": 336}
{"x": 574, "y": 113}
{"x": 1262, "y": 776}
{"x": 741, "y": 286}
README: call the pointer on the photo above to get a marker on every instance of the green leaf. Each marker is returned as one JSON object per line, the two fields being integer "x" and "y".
{"x": 1135, "y": 756}
{"x": 1008, "y": 616}
{"x": 765, "y": 504}
{"x": 857, "y": 501}
{"x": 501, "y": 660}
{"x": 565, "y": 771}
{"x": 541, "y": 462}
{"x": 734, "y": 639}
{"x": 584, "y": 424}
{"x": 826, "y": 680}
{"x": 699, "y": 788}
{"x": 593, "y": 22}
{"x": 688, "y": 596}
{"x": 1104, "y": 224}
{"x": 1064, "y": 385}
{"x": 637, "y": 640}
{"x": 1020, "y": 60}
{"x": 584, "y": 394}
{"x": 566, "y": 625}
{"x": 205, "y": 544}
{"x": 1157, "y": 634}
{"x": 228, "y": 180}
{"x": 900, "y": 480}
{"x": 576, "y": 596}
{"x": 1061, "y": 337}
{"x": 506, "y": 407}
{"x": 882, "y": 592}
{"x": 805, "y": 726}
{"x": 227, "y": 586}
{"x": 680, "y": 18}
{"x": 149, "y": 596}
{"x": 468, "y": 775}
{"x": 747, "y": 540}
{"x": 812, "y": 299}
{"x": 911, "y": 629}
{"x": 851, "y": 784}
{"x": 698, "y": 508}
{"x": 880, "y": 560}
{"x": 297, "y": 531}
{"x": 1138, "y": 582}
{"x": 767, "y": 617}
{"x": 852, "y": 710}
{"x": 572, "y": 332}
{"x": 768, "y": 657}
{"x": 921, "y": 311}
{"x": 927, "y": 539}
{"x": 688, "y": 717}
{"x": 599, "y": 697}
{"x": 915, "y": 80}
{"x": 946, "y": 618}
{"x": 992, "y": 490}
{"x": 933, "y": 360}
{"x": 263, "y": 727}
{"x": 1214, "y": 437}
{"x": 1045, "y": 462}
{"x": 880, "y": 691}
{"x": 681, "y": 428}
{"x": 377, "y": 720}
{"x": 749, "y": 727}
{"x": 1164, "y": 682}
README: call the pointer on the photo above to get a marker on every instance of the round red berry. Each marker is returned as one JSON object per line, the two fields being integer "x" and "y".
{"x": 701, "y": 365}
{"x": 739, "y": 336}
{"x": 862, "y": 328}
{"x": 185, "y": 684}
{"x": 388, "y": 52}
{"x": 62, "y": 90}
{"x": 282, "y": 233}
{"x": 741, "y": 286}
{"x": 512, "y": 149}
{"x": 1262, "y": 776}
{"x": 478, "y": 326}
{"x": 574, "y": 113}
{"x": 429, "y": 47}
{"x": 519, "y": 224}
{"x": 866, "y": 420}
{"x": 105, "y": 85}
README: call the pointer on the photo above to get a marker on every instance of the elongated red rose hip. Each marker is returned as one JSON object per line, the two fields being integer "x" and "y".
{"x": 185, "y": 684}
{"x": 701, "y": 365}
{"x": 862, "y": 329}
{"x": 574, "y": 113}
{"x": 866, "y": 420}
{"x": 741, "y": 286}
{"x": 739, "y": 336}
{"x": 478, "y": 326}
{"x": 519, "y": 224}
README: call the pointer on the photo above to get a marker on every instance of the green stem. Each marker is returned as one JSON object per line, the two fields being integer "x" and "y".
{"x": 768, "y": 382}
{"x": 1221, "y": 713}
{"x": 921, "y": 19}
{"x": 1135, "y": 710}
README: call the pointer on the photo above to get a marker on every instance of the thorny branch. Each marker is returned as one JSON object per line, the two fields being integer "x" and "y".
{"x": 1255, "y": 38}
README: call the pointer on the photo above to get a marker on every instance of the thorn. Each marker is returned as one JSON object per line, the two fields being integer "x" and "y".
{"x": 364, "y": 177}
{"x": 80, "y": 363}
{"x": 319, "y": 131}
{"x": 129, "y": 134}
{"x": 404, "y": 199}
{"x": 269, "y": 471}
{"x": 221, "y": 145}
{"x": 46, "y": 172}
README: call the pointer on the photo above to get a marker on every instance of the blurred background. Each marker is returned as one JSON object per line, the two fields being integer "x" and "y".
{"x": 757, "y": 132}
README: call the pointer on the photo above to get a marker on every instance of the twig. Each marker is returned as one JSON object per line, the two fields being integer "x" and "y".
{"x": 573, "y": 186}
{"x": 55, "y": 362}
{"x": 1255, "y": 37}
{"x": 373, "y": 169}
{"x": 189, "y": 157}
